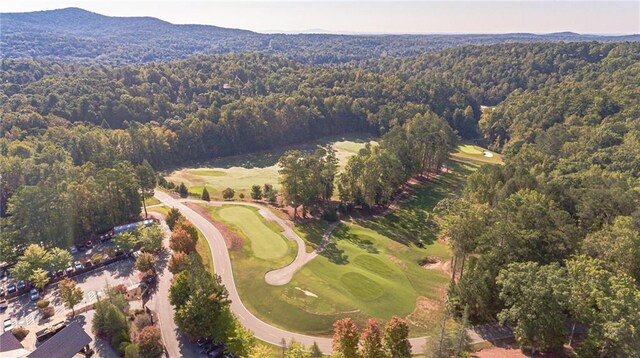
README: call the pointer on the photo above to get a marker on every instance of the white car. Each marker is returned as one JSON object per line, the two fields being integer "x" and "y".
{"x": 77, "y": 265}
{"x": 33, "y": 294}
{"x": 8, "y": 325}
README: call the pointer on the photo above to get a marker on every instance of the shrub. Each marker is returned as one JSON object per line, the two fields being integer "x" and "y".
{"x": 228, "y": 194}
{"x": 132, "y": 351}
{"x": 149, "y": 341}
{"x": 47, "y": 312}
{"x": 20, "y": 333}
{"x": 142, "y": 320}
{"x": 330, "y": 214}
{"x": 241, "y": 195}
{"x": 42, "y": 304}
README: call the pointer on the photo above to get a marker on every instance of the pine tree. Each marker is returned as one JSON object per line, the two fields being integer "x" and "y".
{"x": 183, "y": 191}
{"x": 205, "y": 194}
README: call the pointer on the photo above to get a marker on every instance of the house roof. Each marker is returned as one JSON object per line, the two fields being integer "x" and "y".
{"x": 65, "y": 344}
{"x": 9, "y": 342}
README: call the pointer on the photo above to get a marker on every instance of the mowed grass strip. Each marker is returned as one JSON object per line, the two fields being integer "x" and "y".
{"x": 265, "y": 242}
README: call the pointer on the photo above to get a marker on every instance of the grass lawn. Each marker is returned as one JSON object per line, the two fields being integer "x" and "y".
{"x": 204, "y": 251}
{"x": 266, "y": 243}
{"x": 474, "y": 153}
{"x": 152, "y": 201}
{"x": 243, "y": 171}
{"x": 164, "y": 210}
{"x": 369, "y": 269}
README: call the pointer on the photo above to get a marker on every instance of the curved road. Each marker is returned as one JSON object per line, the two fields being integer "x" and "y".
{"x": 222, "y": 267}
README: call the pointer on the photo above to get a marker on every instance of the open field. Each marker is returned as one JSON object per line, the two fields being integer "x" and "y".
{"x": 370, "y": 268}
{"x": 474, "y": 153}
{"x": 243, "y": 171}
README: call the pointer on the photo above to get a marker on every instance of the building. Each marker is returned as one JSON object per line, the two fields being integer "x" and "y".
{"x": 10, "y": 347}
{"x": 65, "y": 344}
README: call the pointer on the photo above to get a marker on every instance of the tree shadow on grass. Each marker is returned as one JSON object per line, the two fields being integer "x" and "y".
{"x": 342, "y": 232}
{"x": 334, "y": 254}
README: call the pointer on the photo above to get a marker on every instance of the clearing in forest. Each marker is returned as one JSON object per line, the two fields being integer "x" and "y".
{"x": 242, "y": 171}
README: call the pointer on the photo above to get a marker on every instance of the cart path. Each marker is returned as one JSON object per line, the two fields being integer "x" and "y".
{"x": 263, "y": 330}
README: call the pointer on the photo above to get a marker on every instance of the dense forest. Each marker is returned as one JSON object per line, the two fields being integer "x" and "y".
{"x": 557, "y": 226}
{"x": 74, "y": 34}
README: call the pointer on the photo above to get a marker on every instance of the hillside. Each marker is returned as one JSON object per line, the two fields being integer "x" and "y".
{"x": 73, "y": 34}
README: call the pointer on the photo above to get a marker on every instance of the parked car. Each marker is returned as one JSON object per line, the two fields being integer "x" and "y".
{"x": 2, "y": 292}
{"x": 81, "y": 247}
{"x": 104, "y": 238}
{"x": 33, "y": 294}
{"x": 11, "y": 288}
{"x": 77, "y": 265}
{"x": 22, "y": 285}
{"x": 89, "y": 244}
{"x": 3, "y": 305}
{"x": 69, "y": 270}
{"x": 88, "y": 263}
{"x": 8, "y": 325}
{"x": 73, "y": 250}
{"x": 60, "y": 273}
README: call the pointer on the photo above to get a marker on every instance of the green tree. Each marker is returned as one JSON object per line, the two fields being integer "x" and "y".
{"x": 607, "y": 303}
{"x": 256, "y": 192}
{"x": 396, "y": 338}
{"x": 228, "y": 194}
{"x": 183, "y": 191}
{"x": 371, "y": 341}
{"x": 145, "y": 262}
{"x": 617, "y": 245}
{"x": 60, "y": 259}
{"x": 40, "y": 278}
{"x": 151, "y": 238}
{"x": 240, "y": 341}
{"x": 535, "y": 299}
{"x": 345, "y": 338}
{"x": 297, "y": 350}
{"x": 132, "y": 351}
{"x": 70, "y": 293}
{"x": 147, "y": 182}
{"x": 205, "y": 194}
{"x": 173, "y": 216}
{"x": 315, "y": 351}
{"x": 126, "y": 241}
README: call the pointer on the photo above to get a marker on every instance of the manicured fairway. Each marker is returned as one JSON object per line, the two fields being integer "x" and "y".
{"x": 243, "y": 171}
{"x": 265, "y": 242}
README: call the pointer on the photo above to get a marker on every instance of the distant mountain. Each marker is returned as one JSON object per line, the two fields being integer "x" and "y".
{"x": 74, "y": 34}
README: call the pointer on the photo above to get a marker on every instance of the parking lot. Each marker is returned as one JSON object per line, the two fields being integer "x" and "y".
{"x": 23, "y": 312}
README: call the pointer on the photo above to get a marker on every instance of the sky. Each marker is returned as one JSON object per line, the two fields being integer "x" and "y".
{"x": 394, "y": 17}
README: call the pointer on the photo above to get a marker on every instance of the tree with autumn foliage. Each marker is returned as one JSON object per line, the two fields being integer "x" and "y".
{"x": 371, "y": 341}
{"x": 345, "y": 338}
{"x": 182, "y": 241}
{"x": 396, "y": 338}
{"x": 178, "y": 262}
{"x": 149, "y": 341}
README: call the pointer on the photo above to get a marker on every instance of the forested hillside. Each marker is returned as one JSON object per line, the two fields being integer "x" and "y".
{"x": 74, "y": 34}
{"x": 557, "y": 225}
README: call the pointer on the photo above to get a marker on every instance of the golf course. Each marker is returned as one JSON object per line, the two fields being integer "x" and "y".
{"x": 241, "y": 172}
{"x": 370, "y": 267}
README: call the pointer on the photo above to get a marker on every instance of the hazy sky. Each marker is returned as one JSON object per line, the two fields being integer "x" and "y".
{"x": 611, "y": 17}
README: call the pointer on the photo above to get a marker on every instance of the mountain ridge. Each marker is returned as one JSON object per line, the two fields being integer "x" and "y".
{"x": 74, "y": 34}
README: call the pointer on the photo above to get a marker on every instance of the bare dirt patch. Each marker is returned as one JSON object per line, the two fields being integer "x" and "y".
{"x": 425, "y": 312}
{"x": 233, "y": 241}
{"x": 435, "y": 263}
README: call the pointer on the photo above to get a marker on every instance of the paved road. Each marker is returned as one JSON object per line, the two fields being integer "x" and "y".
{"x": 222, "y": 267}
{"x": 283, "y": 275}
{"x": 176, "y": 344}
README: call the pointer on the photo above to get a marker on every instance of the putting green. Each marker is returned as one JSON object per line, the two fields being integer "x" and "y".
{"x": 362, "y": 287}
{"x": 265, "y": 242}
